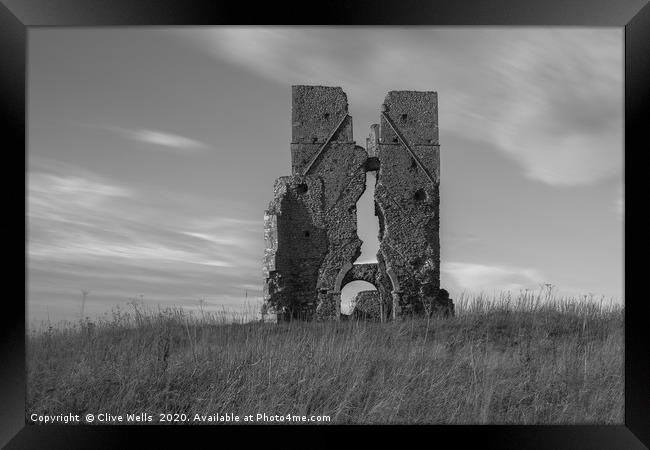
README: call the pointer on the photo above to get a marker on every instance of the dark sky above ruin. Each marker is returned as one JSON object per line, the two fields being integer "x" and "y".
{"x": 152, "y": 154}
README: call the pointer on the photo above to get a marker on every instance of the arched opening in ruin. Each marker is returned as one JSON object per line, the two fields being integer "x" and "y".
{"x": 367, "y": 222}
{"x": 349, "y": 293}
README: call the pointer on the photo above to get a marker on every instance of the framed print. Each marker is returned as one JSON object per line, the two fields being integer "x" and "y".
{"x": 404, "y": 218}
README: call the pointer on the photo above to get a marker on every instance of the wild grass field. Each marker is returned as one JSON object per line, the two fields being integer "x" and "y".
{"x": 502, "y": 360}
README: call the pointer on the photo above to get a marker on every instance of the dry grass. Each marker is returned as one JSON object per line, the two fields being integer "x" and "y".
{"x": 524, "y": 360}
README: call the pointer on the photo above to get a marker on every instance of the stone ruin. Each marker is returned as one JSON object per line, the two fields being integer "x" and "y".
{"x": 310, "y": 227}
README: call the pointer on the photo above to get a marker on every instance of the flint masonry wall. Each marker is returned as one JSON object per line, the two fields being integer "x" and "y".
{"x": 311, "y": 227}
{"x": 367, "y": 305}
{"x": 407, "y": 198}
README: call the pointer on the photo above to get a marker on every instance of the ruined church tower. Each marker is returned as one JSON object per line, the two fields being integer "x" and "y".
{"x": 310, "y": 225}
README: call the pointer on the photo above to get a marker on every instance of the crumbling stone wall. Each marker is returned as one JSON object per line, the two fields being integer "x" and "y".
{"x": 297, "y": 245}
{"x": 407, "y": 196}
{"x": 367, "y": 306}
{"x": 311, "y": 224}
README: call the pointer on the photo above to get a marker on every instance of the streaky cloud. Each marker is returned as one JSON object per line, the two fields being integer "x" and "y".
{"x": 159, "y": 139}
{"x": 76, "y": 240}
{"x": 482, "y": 277}
{"x": 551, "y": 99}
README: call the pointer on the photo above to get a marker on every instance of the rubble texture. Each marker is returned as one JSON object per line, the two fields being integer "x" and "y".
{"x": 311, "y": 223}
{"x": 367, "y": 306}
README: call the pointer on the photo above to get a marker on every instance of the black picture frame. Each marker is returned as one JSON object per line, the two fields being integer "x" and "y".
{"x": 17, "y": 16}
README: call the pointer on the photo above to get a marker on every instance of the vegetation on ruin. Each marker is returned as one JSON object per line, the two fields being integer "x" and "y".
{"x": 522, "y": 359}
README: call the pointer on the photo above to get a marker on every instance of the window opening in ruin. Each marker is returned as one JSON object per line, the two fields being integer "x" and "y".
{"x": 367, "y": 222}
{"x": 350, "y": 291}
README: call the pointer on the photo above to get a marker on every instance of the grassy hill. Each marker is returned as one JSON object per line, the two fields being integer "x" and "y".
{"x": 524, "y": 360}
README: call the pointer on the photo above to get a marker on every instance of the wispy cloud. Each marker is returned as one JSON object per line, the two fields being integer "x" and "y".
{"x": 89, "y": 231}
{"x": 56, "y": 197}
{"x": 551, "y": 99}
{"x": 159, "y": 139}
{"x": 563, "y": 117}
{"x": 73, "y": 218}
{"x": 480, "y": 277}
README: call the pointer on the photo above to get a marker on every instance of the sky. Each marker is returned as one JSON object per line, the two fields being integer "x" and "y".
{"x": 152, "y": 154}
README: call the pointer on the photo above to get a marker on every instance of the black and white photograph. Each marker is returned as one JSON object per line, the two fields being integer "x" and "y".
{"x": 339, "y": 224}
{"x": 325, "y": 225}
